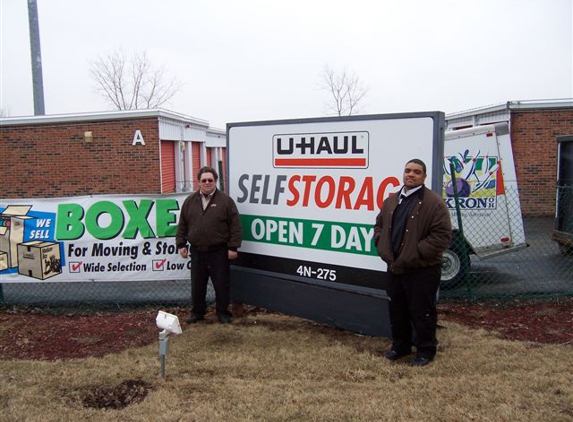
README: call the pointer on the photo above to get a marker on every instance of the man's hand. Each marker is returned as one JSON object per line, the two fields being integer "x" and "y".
{"x": 184, "y": 252}
{"x": 233, "y": 255}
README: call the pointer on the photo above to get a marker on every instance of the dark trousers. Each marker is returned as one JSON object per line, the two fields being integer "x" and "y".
{"x": 214, "y": 264}
{"x": 413, "y": 314}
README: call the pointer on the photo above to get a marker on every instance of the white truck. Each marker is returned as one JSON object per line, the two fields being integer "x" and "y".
{"x": 486, "y": 217}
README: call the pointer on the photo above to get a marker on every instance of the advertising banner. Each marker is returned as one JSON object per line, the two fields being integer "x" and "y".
{"x": 308, "y": 191}
{"x": 95, "y": 238}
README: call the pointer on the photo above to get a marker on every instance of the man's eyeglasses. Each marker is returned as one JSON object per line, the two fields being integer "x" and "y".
{"x": 207, "y": 180}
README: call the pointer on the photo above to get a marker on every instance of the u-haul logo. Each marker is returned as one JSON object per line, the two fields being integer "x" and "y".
{"x": 321, "y": 150}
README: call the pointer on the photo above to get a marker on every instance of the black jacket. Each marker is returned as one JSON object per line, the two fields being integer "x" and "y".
{"x": 218, "y": 225}
{"x": 427, "y": 233}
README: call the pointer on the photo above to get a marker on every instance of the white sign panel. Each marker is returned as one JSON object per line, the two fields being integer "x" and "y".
{"x": 309, "y": 190}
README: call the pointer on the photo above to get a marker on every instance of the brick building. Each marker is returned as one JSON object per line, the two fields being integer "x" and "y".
{"x": 534, "y": 127}
{"x": 158, "y": 151}
{"x": 118, "y": 152}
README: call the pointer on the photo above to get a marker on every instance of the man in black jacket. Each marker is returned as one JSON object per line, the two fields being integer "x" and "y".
{"x": 209, "y": 222}
{"x": 411, "y": 233}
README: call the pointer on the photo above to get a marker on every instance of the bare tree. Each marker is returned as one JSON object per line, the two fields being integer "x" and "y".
{"x": 346, "y": 89}
{"x": 130, "y": 83}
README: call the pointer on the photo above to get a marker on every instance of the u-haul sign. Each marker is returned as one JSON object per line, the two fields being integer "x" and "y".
{"x": 321, "y": 150}
{"x": 308, "y": 191}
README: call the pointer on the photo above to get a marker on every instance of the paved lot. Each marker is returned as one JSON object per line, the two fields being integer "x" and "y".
{"x": 538, "y": 269}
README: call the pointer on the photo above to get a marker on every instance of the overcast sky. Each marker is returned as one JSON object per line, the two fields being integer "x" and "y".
{"x": 246, "y": 60}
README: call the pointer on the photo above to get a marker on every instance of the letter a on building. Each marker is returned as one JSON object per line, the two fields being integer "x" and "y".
{"x": 138, "y": 138}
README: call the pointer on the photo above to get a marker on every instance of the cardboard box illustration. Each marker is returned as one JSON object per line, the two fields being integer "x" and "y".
{"x": 12, "y": 224}
{"x": 3, "y": 261}
{"x": 39, "y": 259}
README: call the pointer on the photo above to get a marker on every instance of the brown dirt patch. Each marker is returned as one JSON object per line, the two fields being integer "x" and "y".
{"x": 122, "y": 395}
{"x": 40, "y": 334}
{"x": 547, "y": 321}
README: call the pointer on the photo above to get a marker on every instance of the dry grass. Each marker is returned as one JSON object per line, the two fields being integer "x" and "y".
{"x": 278, "y": 368}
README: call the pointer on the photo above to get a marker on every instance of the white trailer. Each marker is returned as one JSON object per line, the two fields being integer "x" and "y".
{"x": 486, "y": 217}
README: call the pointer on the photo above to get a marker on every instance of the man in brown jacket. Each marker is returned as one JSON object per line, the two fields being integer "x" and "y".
{"x": 412, "y": 231}
{"x": 209, "y": 222}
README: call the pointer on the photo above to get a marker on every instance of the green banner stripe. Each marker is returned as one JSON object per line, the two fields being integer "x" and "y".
{"x": 312, "y": 234}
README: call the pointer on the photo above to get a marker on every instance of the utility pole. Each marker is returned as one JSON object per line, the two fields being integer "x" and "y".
{"x": 35, "y": 50}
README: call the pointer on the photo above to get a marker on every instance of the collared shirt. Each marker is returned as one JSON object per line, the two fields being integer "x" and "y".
{"x": 405, "y": 194}
{"x": 205, "y": 199}
{"x": 406, "y": 204}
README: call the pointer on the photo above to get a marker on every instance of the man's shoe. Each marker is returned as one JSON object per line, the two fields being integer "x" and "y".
{"x": 224, "y": 319}
{"x": 421, "y": 361}
{"x": 193, "y": 319}
{"x": 393, "y": 355}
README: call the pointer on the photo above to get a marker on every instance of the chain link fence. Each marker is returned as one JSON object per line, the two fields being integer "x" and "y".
{"x": 535, "y": 259}
{"x": 541, "y": 266}
{"x": 117, "y": 294}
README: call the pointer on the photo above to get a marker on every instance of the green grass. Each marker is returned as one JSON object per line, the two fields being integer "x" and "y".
{"x": 278, "y": 368}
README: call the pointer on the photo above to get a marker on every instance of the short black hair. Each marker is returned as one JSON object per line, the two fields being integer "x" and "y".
{"x": 419, "y": 162}
{"x": 207, "y": 169}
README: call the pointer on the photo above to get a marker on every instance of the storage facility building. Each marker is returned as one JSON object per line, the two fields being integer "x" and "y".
{"x": 117, "y": 152}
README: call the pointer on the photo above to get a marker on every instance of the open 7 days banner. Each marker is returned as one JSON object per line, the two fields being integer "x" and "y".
{"x": 97, "y": 238}
{"x": 309, "y": 190}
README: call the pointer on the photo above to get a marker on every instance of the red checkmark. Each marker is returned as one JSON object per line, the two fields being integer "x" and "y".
{"x": 159, "y": 264}
{"x": 75, "y": 267}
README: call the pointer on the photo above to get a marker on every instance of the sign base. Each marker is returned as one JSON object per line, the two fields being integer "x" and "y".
{"x": 355, "y": 308}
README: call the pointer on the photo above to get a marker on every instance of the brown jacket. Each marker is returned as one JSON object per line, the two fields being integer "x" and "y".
{"x": 427, "y": 233}
{"x": 218, "y": 225}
